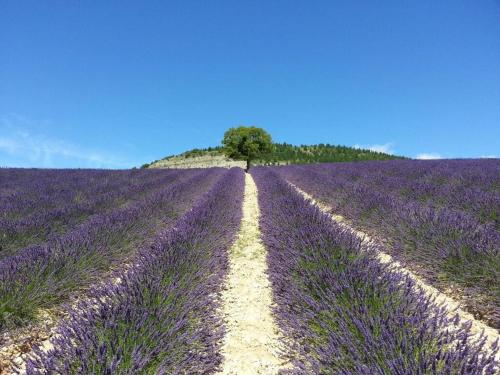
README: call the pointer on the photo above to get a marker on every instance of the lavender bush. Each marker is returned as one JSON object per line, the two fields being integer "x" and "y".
{"x": 445, "y": 237}
{"x": 161, "y": 318}
{"x": 46, "y": 275}
{"x": 342, "y": 311}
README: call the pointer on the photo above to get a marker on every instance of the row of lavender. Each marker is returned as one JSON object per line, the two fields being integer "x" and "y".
{"x": 471, "y": 186}
{"x": 161, "y": 317}
{"x": 26, "y": 191}
{"x": 446, "y": 238}
{"x": 342, "y": 312}
{"x": 46, "y": 275}
{"x": 36, "y": 205}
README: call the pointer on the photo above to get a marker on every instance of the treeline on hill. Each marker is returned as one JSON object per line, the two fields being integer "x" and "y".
{"x": 285, "y": 153}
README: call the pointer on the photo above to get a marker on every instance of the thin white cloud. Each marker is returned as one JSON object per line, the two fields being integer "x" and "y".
{"x": 488, "y": 157}
{"x": 8, "y": 145}
{"x": 428, "y": 156}
{"x": 386, "y": 148}
{"x": 21, "y": 147}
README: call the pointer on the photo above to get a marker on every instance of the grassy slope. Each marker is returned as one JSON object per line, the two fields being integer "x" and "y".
{"x": 284, "y": 153}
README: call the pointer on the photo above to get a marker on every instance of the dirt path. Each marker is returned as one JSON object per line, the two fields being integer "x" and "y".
{"x": 251, "y": 343}
{"x": 477, "y": 327}
{"x": 16, "y": 345}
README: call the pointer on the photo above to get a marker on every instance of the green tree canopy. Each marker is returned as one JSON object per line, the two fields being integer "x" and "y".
{"x": 246, "y": 143}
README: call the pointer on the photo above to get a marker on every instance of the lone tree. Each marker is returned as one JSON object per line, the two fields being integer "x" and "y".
{"x": 246, "y": 143}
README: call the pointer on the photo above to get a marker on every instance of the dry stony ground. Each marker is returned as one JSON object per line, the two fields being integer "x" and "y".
{"x": 251, "y": 344}
{"x": 16, "y": 345}
{"x": 205, "y": 161}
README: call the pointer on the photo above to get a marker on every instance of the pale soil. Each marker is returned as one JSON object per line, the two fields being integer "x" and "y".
{"x": 452, "y": 306}
{"x": 251, "y": 344}
{"x": 16, "y": 345}
{"x": 204, "y": 161}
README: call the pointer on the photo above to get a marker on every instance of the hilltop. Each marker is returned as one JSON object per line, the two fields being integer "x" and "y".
{"x": 282, "y": 154}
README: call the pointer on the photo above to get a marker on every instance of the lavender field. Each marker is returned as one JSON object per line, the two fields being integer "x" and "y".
{"x": 124, "y": 272}
{"x": 440, "y": 218}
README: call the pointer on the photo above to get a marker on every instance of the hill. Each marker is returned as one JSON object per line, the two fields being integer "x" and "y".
{"x": 282, "y": 154}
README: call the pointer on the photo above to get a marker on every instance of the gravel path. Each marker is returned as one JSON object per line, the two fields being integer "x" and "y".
{"x": 251, "y": 344}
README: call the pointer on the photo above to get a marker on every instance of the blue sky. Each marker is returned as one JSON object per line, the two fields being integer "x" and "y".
{"x": 116, "y": 84}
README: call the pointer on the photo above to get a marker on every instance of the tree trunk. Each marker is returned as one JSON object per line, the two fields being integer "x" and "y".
{"x": 248, "y": 165}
